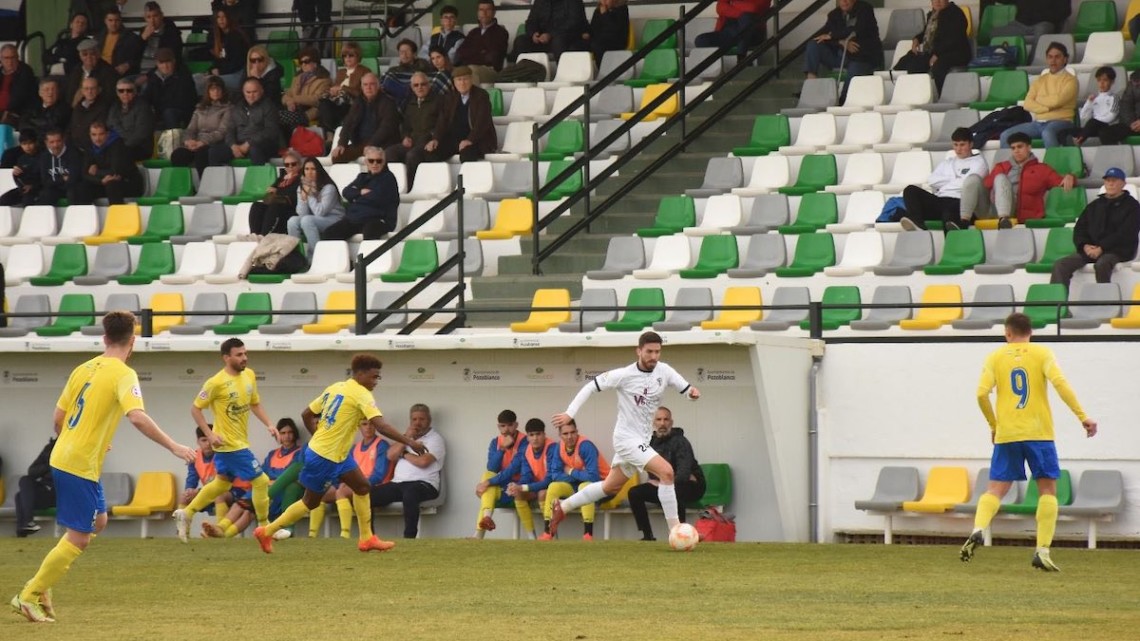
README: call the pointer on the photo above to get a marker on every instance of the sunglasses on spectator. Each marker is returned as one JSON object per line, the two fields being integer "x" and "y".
{"x": 256, "y": 59}
{"x": 125, "y": 90}
{"x": 349, "y": 54}
{"x": 419, "y": 84}
{"x": 374, "y": 161}
{"x": 306, "y": 61}
{"x": 290, "y": 164}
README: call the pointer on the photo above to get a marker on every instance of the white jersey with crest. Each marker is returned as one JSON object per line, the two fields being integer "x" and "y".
{"x": 639, "y": 395}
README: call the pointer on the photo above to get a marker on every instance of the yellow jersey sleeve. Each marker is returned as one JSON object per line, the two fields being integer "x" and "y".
{"x": 367, "y": 404}
{"x": 254, "y": 395}
{"x": 129, "y": 392}
{"x": 985, "y": 386}
{"x": 202, "y": 400}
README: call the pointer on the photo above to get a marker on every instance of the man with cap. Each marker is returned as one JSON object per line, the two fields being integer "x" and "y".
{"x": 1105, "y": 233}
{"x": 90, "y": 66}
{"x": 464, "y": 125}
{"x": 169, "y": 89}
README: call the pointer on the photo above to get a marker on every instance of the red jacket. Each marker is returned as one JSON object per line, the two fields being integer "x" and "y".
{"x": 1036, "y": 179}
{"x": 732, "y": 9}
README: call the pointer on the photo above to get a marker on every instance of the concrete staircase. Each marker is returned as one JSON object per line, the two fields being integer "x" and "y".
{"x": 515, "y": 285}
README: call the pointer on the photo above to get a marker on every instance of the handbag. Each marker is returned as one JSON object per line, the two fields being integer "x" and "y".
{"x": 1001, "y": 55}
{"x": 716, "y": 526}
{"x": 913, "y": 63}
{"x": 168, "y": 141}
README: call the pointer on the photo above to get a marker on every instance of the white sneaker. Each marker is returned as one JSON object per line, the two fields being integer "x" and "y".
{"x": 183, "y": 522}
{"x": 281, "y": 535}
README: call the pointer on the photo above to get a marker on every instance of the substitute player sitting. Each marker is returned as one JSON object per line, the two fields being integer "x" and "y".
{"x": 536, "y": 464}
{"x": 502, "y": 452}
{"x": 231, "y": 395}
{"x": 577, "y": 465}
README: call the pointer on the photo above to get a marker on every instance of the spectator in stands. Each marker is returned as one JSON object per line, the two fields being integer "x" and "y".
{"x": 449, "y": 36}
{"x": 159, "y": 33}
{"x": 1019, "y": 184}
{"x": 372, "y": 120}
{"x": 397, "y": 81}
{"x": 502, "y": 451}
{"x": 373, "y": 200}
{"x": 252, "y": 131}
{"x": 421, "y": 112}
{"x": 417, "y": 476}
{"x": 36, "y": 491}
{"x": 93, "y": 107}
{"x": 334, "y": 106}
{"x": 316, "y": 15}
{"x": 60, "y": 168}
{"x": 554, "y": 26}
{"x": 208, "y": 125}
{"x": 578, "y": 463}
{"x": 109, "y": 171}
{"x": 49, "y": 112}
{"x": 440, "y": 80}
{"x": 244, "y": 14}
{"x": 226, "y": 49}
{"x": 849, "y": 39}
{"x": 689, "y": 479}
{"x": 65, "y": 50}
{"x": 1130, "y": 104}
{"x": 485, "y": 47}
{"x": 169, "y": 89}
{"x": 941, "y": 45}
{"x": 1036, "y": 18}
{"x": 17, "y": 85}
{"x": 1052, "y": 101}
{"x": 90, "y": 66}
{"x": 371, "y": 456}
{"x": 737, "y": 23}
{"x": 23, "y": 160}
{"x": 464, "y": 125}
{"x": 951, "y": 202}
{"x": 1105, "y": 233}
{"x": 609, "y": 28}
{"x": 260, "y": 66}
{"x": 300, "y": 101}
{"x": 536, "y": 464}
{"x": 119, "y": 47}
{"x": 95, "y": 10}
{"x": 271, "y": 215}
{"x": 133, "y": 119}
{"x": 318, "y": 206}
{"x": 1100, "y": 113}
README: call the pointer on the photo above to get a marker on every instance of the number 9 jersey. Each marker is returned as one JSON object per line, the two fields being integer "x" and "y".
{"x": 1020, "y": 371}
{"x": 98, "y": 393}
{"x": 340, "y": 409}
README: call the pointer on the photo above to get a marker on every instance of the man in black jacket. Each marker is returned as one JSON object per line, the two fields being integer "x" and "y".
{"x": 121, "y": 48}
{"x": 1105, "y": 234}
{"x": 253, "y": 131}
{"x": 60, "y": 168}
{"x": 689, "y": 479}
{"x": 108, "y": 170}
{"x": 24, "y": 163}
{"x": 554, "y": 26}
{"x": 17, "y": 85}
{"x": 159, "y": 33}
{"x": 169, "y": 89}
{"x": 372, "y": 120}
{"x": 49, "y": 112}
{"x": 37, "y": 492}
{"x": 373, "y": 201}
{"x": 1034, "y": 18}
{"x": 851, "y": 27}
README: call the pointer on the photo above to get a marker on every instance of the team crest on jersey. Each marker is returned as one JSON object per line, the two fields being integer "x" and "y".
{"x": 136, "y": 392}
{"x": 203, "y": 395}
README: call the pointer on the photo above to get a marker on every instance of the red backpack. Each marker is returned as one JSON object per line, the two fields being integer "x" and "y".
{"x": 307, "y": 142}
{"x": 714, "y": 526}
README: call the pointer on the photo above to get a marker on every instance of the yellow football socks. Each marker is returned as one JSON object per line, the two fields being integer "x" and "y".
{"x": 1046, "y": 520}
{"x": 261, "y": 499}
{"x": 526, "y": 517}
{"x": 291, "y": 515}
{"x": 987, "y": 507}
{"x": 207, "y": 494}
{"x": 345, "y": 510}
{"x": 54, "y": 566}
{"x": 362, "y": 504}
{"x": 316, "y": 519}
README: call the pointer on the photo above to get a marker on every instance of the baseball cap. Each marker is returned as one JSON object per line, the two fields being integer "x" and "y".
{"x": 1115, "y": 172}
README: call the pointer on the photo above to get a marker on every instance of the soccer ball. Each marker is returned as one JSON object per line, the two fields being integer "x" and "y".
{"x": 683, "y": 537}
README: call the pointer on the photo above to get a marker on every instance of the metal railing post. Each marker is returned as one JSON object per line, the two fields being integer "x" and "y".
{"x": 462, "y": 252}
{"x": 534, "y": 185}
{"x": 681, "y": 67}
{"x": 815, "y": 319}
{"x": 586, "y": 141}
{"x": 146, "y": 322}
{"x": 361, "y": 296}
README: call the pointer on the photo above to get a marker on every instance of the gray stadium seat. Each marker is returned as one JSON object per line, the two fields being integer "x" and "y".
{"x": 951, "y": 120}
{"x": 111, "y": 261}
{"x": 590, "y": 320}
{"x": 204, "y": 302}
{"x": 980, "y": 484}
{"x": 958, "y": 90}
{"x": 1099, "y": 494}
{"x": 880, "y": 318}
{"x": 902, "y": 25}
{"x": 383, "y": 300}
{"x": 1013, "y": 249}
{"x": 128, "y": 302}
{"x": 215, "y": 183}
{"x": 472, "y": 261}
{"x": 895, "y": 485}
{"x": 778, "y": 320}
{"x": 765, "y": 253}
{"x": 118, "y": 488}
{"x": 475, "y": 218}
{"x": 987, "y": 317}
{"x": 207, "y": 221}
{"x": 623, "y": 255}
{"x": 913, "y": 250}
{"x": 685, "y": 319}
{"x": 1105, "y": 157}
{"x": 603, "y": 131}
{"x": 1038, "y": 62}
{"x": 721, "y": 175}
{"x": 305, "y": 302}
{"x": 612, "y": 60}
{"x": 517, "y": 179}
{"x": 27, "y": 304}
{"x": 698, "y": 55}
{"x": 816, "y": 94}
{"x": 614, "y": 100}
{"x": 1093, "y": 316}
{"x": 768, "y": 212}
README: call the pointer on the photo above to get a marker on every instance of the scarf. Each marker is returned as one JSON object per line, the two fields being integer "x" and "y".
{"x": 928, "y": 34}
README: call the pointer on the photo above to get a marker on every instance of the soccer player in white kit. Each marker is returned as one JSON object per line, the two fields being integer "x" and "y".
{"x": 639, "y": 386}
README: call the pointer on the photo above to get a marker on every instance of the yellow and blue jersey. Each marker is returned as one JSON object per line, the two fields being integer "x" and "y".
{"x": 98, "y": 393}
{"x": 341, "y": 408}
{"x": 229, "y": 399}
{"x": 1019, "y": 371}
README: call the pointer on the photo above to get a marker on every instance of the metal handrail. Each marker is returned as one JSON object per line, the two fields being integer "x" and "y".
{"x": 43, "y": 50}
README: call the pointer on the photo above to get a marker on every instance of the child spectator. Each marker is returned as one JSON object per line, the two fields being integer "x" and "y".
{"x": 1100, "y": 112}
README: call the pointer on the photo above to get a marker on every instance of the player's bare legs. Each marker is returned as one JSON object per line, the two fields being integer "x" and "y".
{"x": 590, "y": 494}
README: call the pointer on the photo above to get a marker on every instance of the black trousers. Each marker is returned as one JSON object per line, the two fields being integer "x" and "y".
{"x": 921, "y": 206}
{"x": 640, "y": 495}
{"x": 30, "y": 497}
{"x": 270, "y": 219}
{"x": 343, "y": 229}
{"x": 559, "y": 42}
{"x": 410, "y": 494}
{"x": 448, "y": 148}
{"x": 116, "y": 192}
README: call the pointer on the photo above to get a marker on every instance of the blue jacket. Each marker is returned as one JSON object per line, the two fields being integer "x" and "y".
{"x": 495, "y": 455}
{"x": 382, "y": 201}
{"x": 521, "y": 470}
{"x": 589, "y": 453}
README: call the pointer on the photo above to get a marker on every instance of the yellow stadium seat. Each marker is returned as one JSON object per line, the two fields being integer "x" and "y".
{"x": 737, "y": 318}
{"x": 990, "y": 223}
{"x": 542, "y": 320}
{"x": 671, "y": 106}
{"x": 343, "y": 315}
{"x": 935, "y": 317}
{"x": 621, "y": 496}
{"x": 515, "y": 218}
{"x": 155, "y": 497}
{"x": 1131, "y": 12}
{"x": 1130, "y": 320}
{"x": 166, "y": 303}
{"x": 631, "y": 41}
{"x": 3, "y": 494}
{"x": 945, "y": 488}
{"x": 122, "y": 222}
{"x": 969, "y": 21}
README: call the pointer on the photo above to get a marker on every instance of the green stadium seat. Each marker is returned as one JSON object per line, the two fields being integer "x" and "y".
{"x": 1040, "y": 316}
{"x": 1017, "y": 42}
{"x": 65, "y": 325}
{"x": 68, "y": 261}
{"x": 769, "y": 133}
{"x": 1094, "y": 16}
{"x": 173, "y": 183}
{"x": 1066, "y": 160}
{"x": 155, "y": 260}
{"x": 674, "y": 214}
{"x": 816, "y": 172}
{"x": 566, "y": 139}
{"x": 659, "y": 65}
{"x": 253, "y": 187}
{"x": 654, "y": 28}
{"x": 817, "y": 210}
{"x": 813, "y": 253}
{"x": 1028, "y": 503}
{"x": 1006, "y": 88}
{"x": 997, "y": 15}
{"x": 718, "y": 255}
{"x": 1061, "y": 207}
{"x": 156, "y": 163}
{"x": 245, "y": 323}
{"x": 835, "y": 318}
{"x": 165, "y": 221}
{"x": 718, "y": 486}
{"x": 964, "y": 249}
{"x": 1058, "y": 244}
{"x": 496, "y": 96}
{"x": 368, "y": 39}
{"x": 419, "y": 258}
{"x": 283, "y": 45}
{"x": 566, "y": 187}
{"x": 635, "y": 320}
{"x": 196, "y": 38}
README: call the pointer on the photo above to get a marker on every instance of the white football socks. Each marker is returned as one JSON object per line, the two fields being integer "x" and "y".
{"x": 590, "y": 494}
{"x": 667, "y": 494}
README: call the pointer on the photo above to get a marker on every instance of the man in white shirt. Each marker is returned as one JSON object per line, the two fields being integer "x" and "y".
{"x": 952, "y": 202}
{"x": 417, "y": 476}
{"x": 639, "y": 386}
